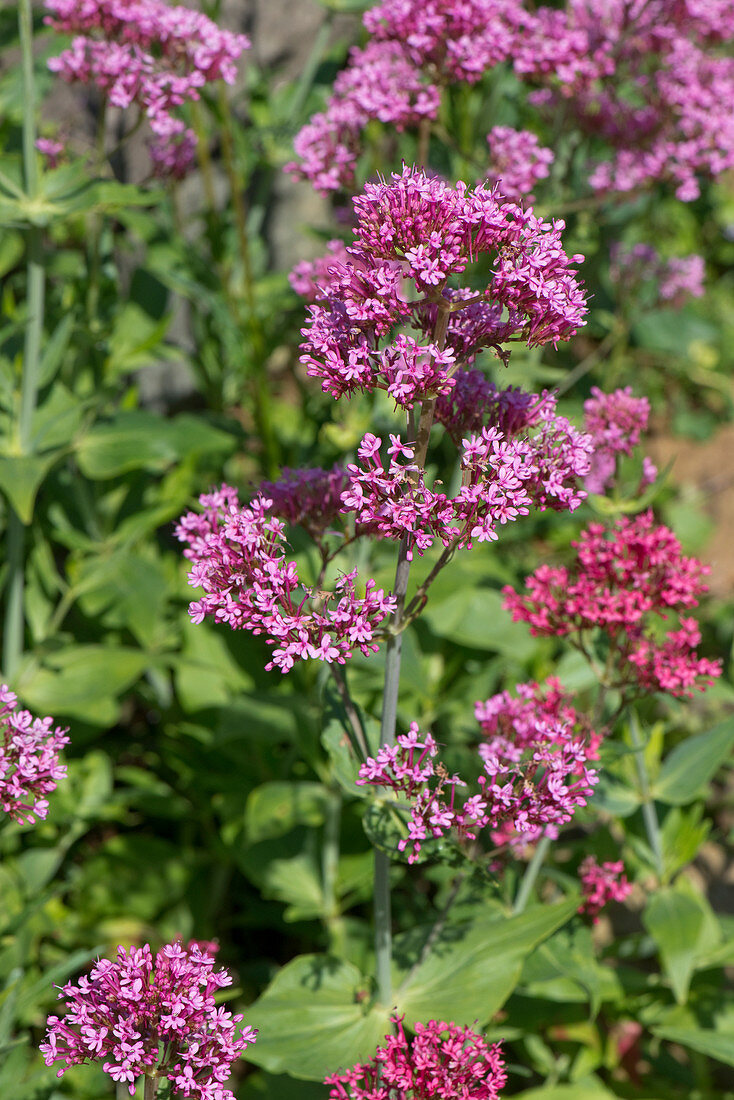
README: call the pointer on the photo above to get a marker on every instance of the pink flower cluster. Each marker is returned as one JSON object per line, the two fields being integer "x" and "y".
{"x": 148, "y": 53}
{"x": 674, "y": 280}
{"x": 615, "y": 422}
{"x": 510, "y": 725}
{"x": 528, "y": 789}
{"x": 442, "y": 1062}
{"x": 623, "y": 582}
{"x": 310, "y": 277}
{"x": 310, "y": 498}
{"x": 650, "y": 77}
{"x": 501, "y": 480}
{"x": 29, "y": 760}
{"x": 158, "y": 1017}
{"x": 408, "y": 769}
{"x": 600, "y": 884}
{"x": 238, "y": 559}
{"x": 517, "y": 161}
{"x": 420, "y": 229}
{"x": 449, "y": 40}
{"x": 380, "y": 82}
{"x": 508, "y": 721}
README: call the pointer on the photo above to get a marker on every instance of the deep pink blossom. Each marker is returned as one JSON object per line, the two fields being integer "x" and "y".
{"x": 29, "y": 760}
{"x": 441, "y": 1062}
{"x": 51, "y": 149}
{"x": 138, "y": 1015}
{"x": 311, "y": 498}
{"x": 527, "y": 789}
{"x": 625, "y": 582}
{"x": 517, "y": 161}
{"x": 674, "y": 280}
{"x": 600, "y": 884}
{"x": 309, "y": 278}
{"x": 501, "y": 480}
{"x": 380, "y": 82}
{"x": 148, "y": 53}
{"x": 238, "y": 558}
{"x": 652, "y": 78}
{"x": 420, "y": 230}
{"x": 452, "y": 41}
{"x": 615, "y": 422}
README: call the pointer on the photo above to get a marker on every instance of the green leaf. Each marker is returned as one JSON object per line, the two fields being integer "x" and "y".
{"x": 21, "y": 476}
{"x": 473, "y": 967}
{"x": 716, "y": 1044}
{"x": 137, "y": 440}
{"x": 477, "y": 619}
{"x": 275, "y": 808}
{"x": 569, "y": 959}
{"x": 286, "y": 869}
{"x": 692, "y": 764}
{"x": 78, "y": 678}
{"x": 589, "y": 1088}
{"x": 314, "y": 1018}
{"x": 676, "y": 920}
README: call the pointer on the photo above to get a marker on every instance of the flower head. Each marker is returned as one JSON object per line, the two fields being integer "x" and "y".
{"x": 238, "y": 558}
{"x": 148, "y": 53}
{"x": 600, "y": 884}
{"x": 441, "y": 1062}
{"x": 615, "y": 422}
{"x": 625, "y": 582}
{"x": 418, "y": 231}
{"x": 29, "y": 760}
{"x": 138, "y": 1015}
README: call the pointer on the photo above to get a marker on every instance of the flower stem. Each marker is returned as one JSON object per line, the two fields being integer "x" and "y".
{"x": 14, "y": 616}
{"x": 531, "y": 873}
{"x": 150, "y": 1088}
{"x": 649, "y": 816}
{"x": 383, "y": 920}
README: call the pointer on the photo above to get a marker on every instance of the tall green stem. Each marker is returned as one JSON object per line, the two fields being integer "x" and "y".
{"x": 150, "y": 1088}
{"x": 383, "y": 918}
{"x": 649, "y": 816}
{"x": 261, "y": 390}
{"x": 531, "y": 873}
{"x": 14, "y": 616}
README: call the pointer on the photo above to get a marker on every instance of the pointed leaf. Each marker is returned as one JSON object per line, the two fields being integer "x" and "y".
{"x": 315, "y": 1018}
{"x": 21, "y": 476}
{"x": 473, "y": 967}
{"x": 716, "y": 1044}
{"x": 692, "y": 764}
{"x": 675, "y": 921}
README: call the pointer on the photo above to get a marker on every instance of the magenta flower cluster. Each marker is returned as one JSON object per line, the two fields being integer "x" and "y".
{"x": 615, "y": 422}
{"x": 150, "y": 54}
{"x": 625, "y": 583}
{"x": 674, "y": 280}
{"x": 238, "y": 558}
{"x": 500, "y": 481}
{"x": 380, "y": 82}
{"x": 423, "y": 231}
{"x": 527, "y": 790}
{"x": 601, "y": 883}
{"x": 509, "y": 723}
{"x": 441, "y": 1062}
{"x": 138, "y": 1015}
{"x": 517, "y": 161}
{"x": 29, "y": 760}
{"x": 649, "y": 77}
